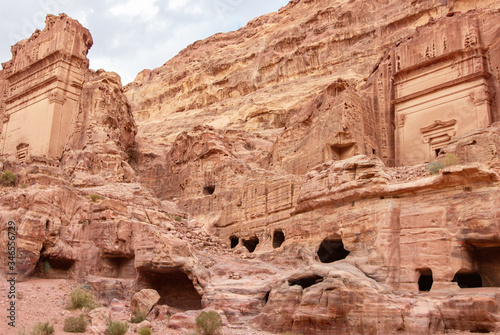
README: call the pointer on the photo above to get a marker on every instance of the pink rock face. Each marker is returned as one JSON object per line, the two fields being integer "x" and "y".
{"x": 144, "y": 301}
{"x": 277, "y": 174}
{"x": 183, "y": 321}
{"x": 99, "y": 145}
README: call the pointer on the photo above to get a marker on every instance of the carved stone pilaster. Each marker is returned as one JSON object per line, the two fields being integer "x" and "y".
{"x": 56, "y": 98}
{"x": 401, "y": 120}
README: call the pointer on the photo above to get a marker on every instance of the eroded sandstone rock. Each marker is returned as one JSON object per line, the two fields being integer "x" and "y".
{"x": 144, "y": 300}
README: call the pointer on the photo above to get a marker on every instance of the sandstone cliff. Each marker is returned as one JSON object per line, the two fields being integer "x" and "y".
{"x": 278, "y": 173}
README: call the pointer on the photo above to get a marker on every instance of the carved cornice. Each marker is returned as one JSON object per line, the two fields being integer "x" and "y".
{"x": 12, "y": 74}
{"x": 451, "y": 83}
{"x": 439, "y": 131}
{"x": 438, "y": 124}
{"x": 450, "y": 56}
{"x": 36, "y": 86}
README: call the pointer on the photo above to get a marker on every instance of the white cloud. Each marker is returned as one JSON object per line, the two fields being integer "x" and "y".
{"x": 197, "y": 9}
{"x": 82, "y": 18}
{"x": 145, "y": 9}
{"x": 177, "y": 4}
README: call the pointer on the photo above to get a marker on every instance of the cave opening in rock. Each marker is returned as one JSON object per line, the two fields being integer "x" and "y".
{"x": 332, "y": 250}
{"x": 118, "y": 267}
{"x": 468, "y": 280}
{"x": 482, "y": 328}
{"x": 306, "y": 281}
{"x": 425, "y": 280}
{"x": 54, "y": 268}
{"x": 209, "y": 190}
{"x": 251, "y": 243}
{"x": 278, "y": 238}
{"x": 484, "y": 261}
{"x": 235, "y": 240}
{"x": 174, "y": 286}
{"x": 343, "y": 151}
{"x": 266, "y": 297}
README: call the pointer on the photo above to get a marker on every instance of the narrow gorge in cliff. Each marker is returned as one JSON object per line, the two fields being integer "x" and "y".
{"x": 330, "y": 168}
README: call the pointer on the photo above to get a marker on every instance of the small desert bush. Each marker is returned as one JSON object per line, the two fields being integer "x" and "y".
{"x": 144, "y": 331}
{"x": 46, "y": 266}
{"x": 449, "y": 160}
{"x": 290, "y": 333}
{"x": 42, "y": 329}
{"x": 138, "y": 317}
{"x": 209, "y": 323}
{"x": 434, "y": 167}
{"x": 117, "y": 328}
{"x": 82, "y": 298}
{"x": 8, "y": 178}
{"x": 75, "y": 324}
{"x": 95, "y": 197}
{"x": 439, "y": 164}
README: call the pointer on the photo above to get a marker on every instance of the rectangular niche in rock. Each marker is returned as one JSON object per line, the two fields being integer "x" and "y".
{"x": 55, "y": 268}
{"x": 117, "y": 267}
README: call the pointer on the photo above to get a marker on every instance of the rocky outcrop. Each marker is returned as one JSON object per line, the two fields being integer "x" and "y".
{"x": 102, "y": 134}
{"x": 144, "y": 301}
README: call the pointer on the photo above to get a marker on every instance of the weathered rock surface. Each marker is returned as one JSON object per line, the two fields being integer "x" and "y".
{"x": 144, "y": 300}
{"x": 102, "y": 132}
{"x": 99, "y": 319}
{"x": 278, "y": 174}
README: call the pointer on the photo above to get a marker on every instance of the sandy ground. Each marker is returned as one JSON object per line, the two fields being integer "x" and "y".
{"x": 42, "y": 300}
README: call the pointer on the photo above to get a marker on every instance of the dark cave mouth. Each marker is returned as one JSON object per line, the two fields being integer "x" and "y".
{"x": 174, "y": 286}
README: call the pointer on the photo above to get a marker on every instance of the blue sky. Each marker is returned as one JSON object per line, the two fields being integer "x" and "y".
{"x": 132, "y": 35}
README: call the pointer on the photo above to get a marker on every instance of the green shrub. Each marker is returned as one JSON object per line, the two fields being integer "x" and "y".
{"x": 178, "y": 219}
{"x": 144, "y": 331}
{"x": 8, "y": 178}
{"x": 138, "y": 317}
{"x": 75, "y": 324}
{"x": 82, "y": 297}
{"x": 436, "y": 166}
{"x": 209, "y": 323}
{"x": 117, "y": 328}
{"x": 42, "y": 329}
